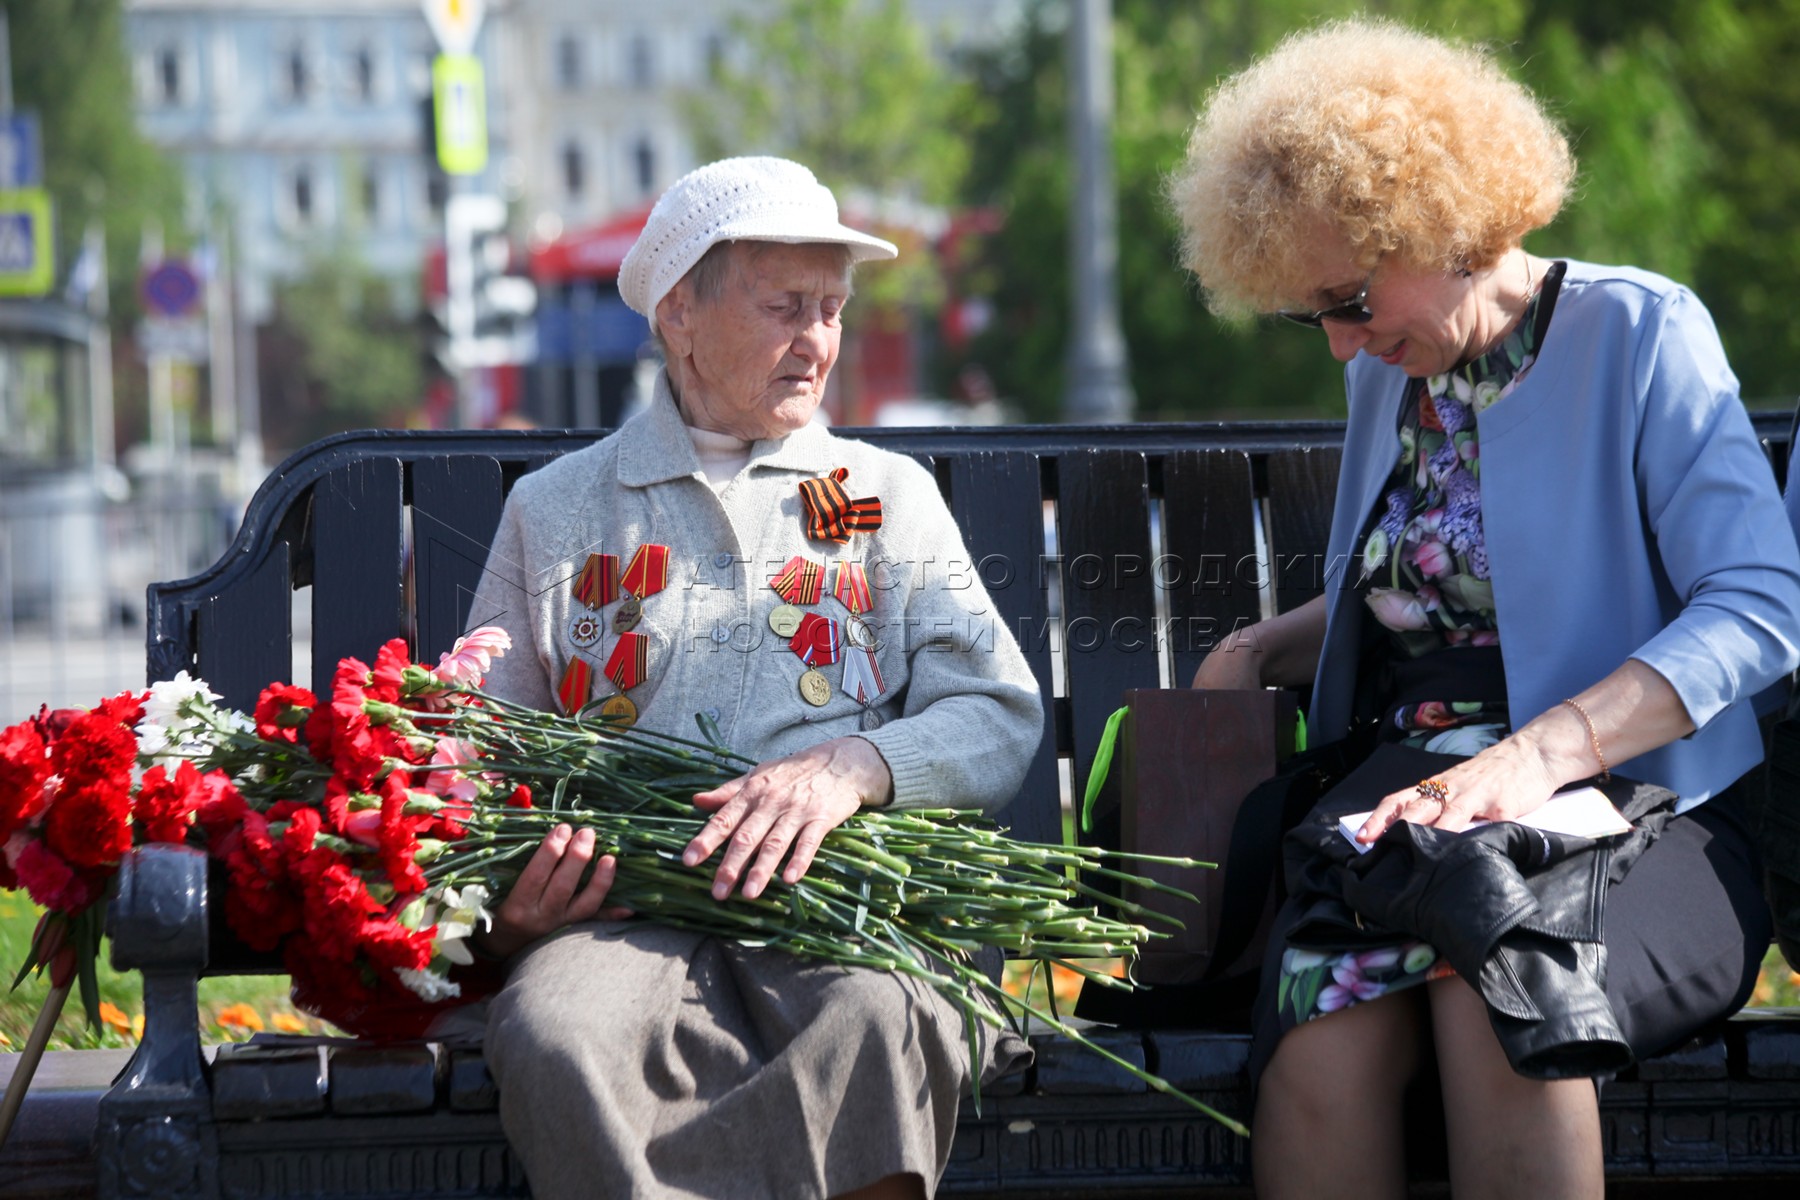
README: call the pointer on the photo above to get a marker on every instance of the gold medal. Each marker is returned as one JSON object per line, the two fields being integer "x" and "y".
{"x": 618, "y": 710}
{"x": 785, "y": 620}
{"x": 871, "y": 720}
{"x": 815, "y": 689}
{"x": 628, "y": 615}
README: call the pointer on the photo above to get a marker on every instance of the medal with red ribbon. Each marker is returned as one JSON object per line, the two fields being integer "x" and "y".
{"x": 646, "y": 575}
{"x": 852, "y": 591}
{"x": 831, "y": 515}
{"x": 801, "y": 581}
{"x": 816, "y": 645}
{"x": 598, "y": 584}
{"x": 577, "y": 679}
{"x": 862, "y": 678}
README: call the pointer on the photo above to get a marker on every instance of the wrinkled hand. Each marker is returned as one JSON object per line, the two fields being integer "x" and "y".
{"x": 786, "y": 804}
{"x": 1502, "y": 783}
{"x": 549, "y": 895}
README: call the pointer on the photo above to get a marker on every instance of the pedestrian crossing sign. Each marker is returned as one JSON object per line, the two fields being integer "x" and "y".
{"x": 27, "y": 254}
{"x": 459, "y": 104}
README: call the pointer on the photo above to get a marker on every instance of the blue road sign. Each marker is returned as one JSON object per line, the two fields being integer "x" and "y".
{"x": 171, "y": 289}
{"x": 21, "y": 151}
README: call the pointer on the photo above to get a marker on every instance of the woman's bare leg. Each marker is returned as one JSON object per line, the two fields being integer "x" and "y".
{"x": 1509, "y": 1136}
{"x": 1328, "y": 1107}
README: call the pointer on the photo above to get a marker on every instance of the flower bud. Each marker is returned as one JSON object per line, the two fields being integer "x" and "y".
{"x": 380, "y": 712}
{"x": 430, "y": 850}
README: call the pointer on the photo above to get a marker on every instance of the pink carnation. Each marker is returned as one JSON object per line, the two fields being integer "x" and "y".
{"x": 469, "y": 660}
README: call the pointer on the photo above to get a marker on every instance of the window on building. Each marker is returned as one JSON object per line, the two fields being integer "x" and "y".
{"x": 295, "y": 74}
{"x": 437, "y": 191}
{"x": 304, "y": 200}
{"x": 574, "y": 170}
{"x": 362, "y": 74}
{"x": 568, "y": 62}
{"x": 168, "y": 76}
{"x": 643, "y": 157}
{"x": 640, "y": 66}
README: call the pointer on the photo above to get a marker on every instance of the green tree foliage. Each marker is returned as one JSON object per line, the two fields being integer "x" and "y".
{"x": 1680, "y": 114}
{"x": 69, "y": 66}
{"x": 856, "y": 91}
{"x": 343, "y": 357}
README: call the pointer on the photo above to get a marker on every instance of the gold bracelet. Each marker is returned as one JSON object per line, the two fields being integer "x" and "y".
{"x": 1593, "y": 738}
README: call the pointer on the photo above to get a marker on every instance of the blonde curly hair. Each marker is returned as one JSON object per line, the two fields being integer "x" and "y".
{"x": 1408, "y": 147}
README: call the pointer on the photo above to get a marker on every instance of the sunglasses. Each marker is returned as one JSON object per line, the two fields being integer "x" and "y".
{"x": 1354, "y": 311}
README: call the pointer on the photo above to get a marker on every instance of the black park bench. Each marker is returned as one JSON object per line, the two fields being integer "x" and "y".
{"x": 1118, "y": 555}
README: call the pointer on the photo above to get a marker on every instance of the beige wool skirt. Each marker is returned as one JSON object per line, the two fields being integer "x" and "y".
{"x": 635, "y": 1060}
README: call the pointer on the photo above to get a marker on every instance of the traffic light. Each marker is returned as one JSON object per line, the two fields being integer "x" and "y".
{"x": 489, "y": 306}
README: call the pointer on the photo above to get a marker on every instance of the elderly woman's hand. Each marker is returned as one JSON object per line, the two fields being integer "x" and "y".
{"x": 786, "y": 803}
{"x": 1502, "y": 783}
{"x": 549, "y": 893}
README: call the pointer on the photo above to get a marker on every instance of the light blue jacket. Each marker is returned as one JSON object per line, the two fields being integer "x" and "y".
{"x": 1629, "y": 512}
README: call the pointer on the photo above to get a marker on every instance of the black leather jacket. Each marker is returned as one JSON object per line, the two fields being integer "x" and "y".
{"x": 1516, "y": 911}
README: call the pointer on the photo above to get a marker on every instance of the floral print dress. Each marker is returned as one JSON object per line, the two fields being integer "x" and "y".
{"x": 1425, "y": 579}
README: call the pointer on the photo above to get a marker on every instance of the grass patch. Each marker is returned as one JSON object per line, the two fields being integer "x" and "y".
{"x": 232, "y": 1007}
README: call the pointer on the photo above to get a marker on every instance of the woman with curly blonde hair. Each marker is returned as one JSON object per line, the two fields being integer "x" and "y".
{"x": 1560, "y": 554}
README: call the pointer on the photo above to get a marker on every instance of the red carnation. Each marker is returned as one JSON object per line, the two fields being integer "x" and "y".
{"x": 90, "y": 826}
{"x": 391, "y": 661}
{"x": 219, "y": 806}
{"x": 520, "y": 798}
{"x": 24, "y": 769}
{"x": 51, "y": 881}
{"x": 165, "y": 803}
{"x": 281, "y": 710}
{"x": 127, "y": 708}
{"x": 94, "y": 748}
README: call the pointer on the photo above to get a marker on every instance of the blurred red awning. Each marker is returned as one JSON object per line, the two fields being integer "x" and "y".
{"x": 595, "y": 253}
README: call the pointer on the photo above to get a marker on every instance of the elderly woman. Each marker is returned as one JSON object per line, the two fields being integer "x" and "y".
{"x": 790, "y": 587}
{"x": 1558, "y": 552}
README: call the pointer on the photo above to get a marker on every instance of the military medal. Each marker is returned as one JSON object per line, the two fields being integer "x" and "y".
{"x": 871, "y": 720}
{"x": 815, "y": 689}
{"x": 598, "y": 583}
{"x": 831, "y": 515}
{"x": 619, "y": 710}
{"x": 800, "y": 581}
{"x": 629, "y": 661}
{"x": 784, "y": 620}
{"x": 816, "y": 644}
{"x": 577, "y": 679}
{"x": 862, "y": 683}
{"x": 584, "y": 630}
{"x": 852, "y": 591}
{"x": 646, "y": 575}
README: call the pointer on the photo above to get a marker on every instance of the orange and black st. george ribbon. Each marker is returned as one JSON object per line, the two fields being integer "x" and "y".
{"x": 831, "y": 515}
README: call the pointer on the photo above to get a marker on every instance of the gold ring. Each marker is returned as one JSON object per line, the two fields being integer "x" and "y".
{"x": 1433, "y": 789}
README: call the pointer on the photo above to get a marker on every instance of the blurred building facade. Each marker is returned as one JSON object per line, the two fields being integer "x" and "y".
{"x": 302, "y": 122}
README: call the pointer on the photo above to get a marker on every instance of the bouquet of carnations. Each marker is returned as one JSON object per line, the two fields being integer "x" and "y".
{"x": 366, "y": 833}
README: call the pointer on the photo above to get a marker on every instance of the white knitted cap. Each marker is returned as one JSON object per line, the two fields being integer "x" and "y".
{"x": 734, "y": 199}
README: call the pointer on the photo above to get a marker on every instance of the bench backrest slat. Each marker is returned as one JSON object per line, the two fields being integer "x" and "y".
{"x": 244, "y": 630}
{"x": 1302, "y": 487}
{"x": 456, "y": 504}
{"x": 1103, "y": 543}
{"x": 997, "y": 499}
{"x": 1208, "y": 573}
{"x": 359, "y": 563}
